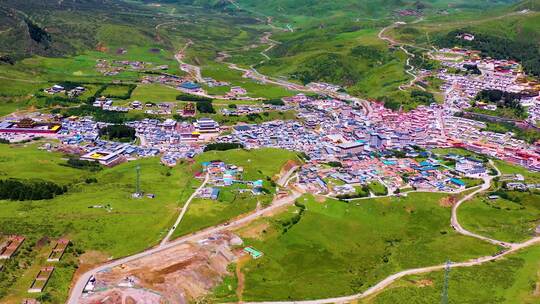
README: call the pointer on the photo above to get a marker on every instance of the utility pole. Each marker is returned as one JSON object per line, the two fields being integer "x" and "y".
{"x": 444, "y": 298}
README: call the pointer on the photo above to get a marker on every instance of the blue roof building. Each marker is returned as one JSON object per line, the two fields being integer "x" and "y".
{"x": 215, "y": 193}
{"x": 457, "y": 181}
{"x": 190, "y": 86}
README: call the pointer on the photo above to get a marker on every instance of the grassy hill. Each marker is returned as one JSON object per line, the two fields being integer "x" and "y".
{"x": 511, "y": 280}
{"x": 509, "y": 32}
{"x": 299, "y": 11}
{"x": 333, "y": 248}
{"x": 54, "y": 28}
{"x": 331, "y": 41}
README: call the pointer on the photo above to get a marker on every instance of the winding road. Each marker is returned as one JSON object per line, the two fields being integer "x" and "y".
{"x": 410, "y": 67}
{"x": 183, "y": 212}
{"x": 509, "y": 249}
{"x": 454, "y": 220}
{"x": 78, "y": 288}
{"x": 165, "y": 244}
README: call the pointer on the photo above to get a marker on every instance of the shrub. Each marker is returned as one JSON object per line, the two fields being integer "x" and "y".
{"x": 83, "y": 164}
{"x": 191, "y": 97}
{"x": 222, "y": 146}
{"x": 274, "y": 102}
{"x": 205, "y": 107}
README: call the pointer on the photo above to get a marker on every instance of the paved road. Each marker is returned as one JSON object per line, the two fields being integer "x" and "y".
{"x": 454, "y": 220}
{"x": 410, "y": 68}
{"x": 510, "y": 248}
{"x": 78, "y": 288}
{"x": 184, "y": 210}
{"x": 392, "y": 278}
{"x": 282, "y": 181}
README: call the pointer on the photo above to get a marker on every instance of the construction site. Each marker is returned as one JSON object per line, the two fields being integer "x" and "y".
{"x": 176, "y": 275}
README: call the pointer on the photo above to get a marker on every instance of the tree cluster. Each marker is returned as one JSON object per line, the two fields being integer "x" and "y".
{"x": 191, "y": 97}
{"x": 120, "y": 132}
{"x": 83, "y": 164}
{"x": 522, "y": 50}
{"x": 222, "y": 146}
{"x": 274, "y": 102}
{"x": 98, "y": 114}
{"x": 472, "y": 68}
{"x": 423, "y": 97}
{"x": 288, "y": 224}
{"x": 503, "y": 99}
{"x": 205, "y": 107}
{"x": 19, "y": 190}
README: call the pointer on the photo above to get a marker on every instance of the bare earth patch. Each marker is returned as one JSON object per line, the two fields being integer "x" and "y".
{"x": 178, "y": 275}
{"x": 101, "y": 47}
{"x": 87, "y": 261}
{"x": 320, "y": 199}
{"x": 240, "y": 275}
{"x": 447, "y": 201}
{"x": 254, "y": 231}
{"x": 423, "y": 283}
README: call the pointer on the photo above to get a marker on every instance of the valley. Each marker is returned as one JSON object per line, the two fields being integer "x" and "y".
{"x": 287, "y": 151}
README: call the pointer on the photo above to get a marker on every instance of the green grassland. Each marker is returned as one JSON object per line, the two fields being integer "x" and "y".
{"x": 336, "y": 248}
{"x": 377, "y": 188}
{"x": 222, "y": 72}
{"x": 300, "y": 13}
{"x": 348, "y": 54}
{"x": 148, "y": 34}
{"x": 115, "y": 90}
{"x": 507, "y": 168}
{"x": 511, "y": 280}
{"x": 81, "y": 68}
{"x": 510, "y": 220}
{"x": 125, "y": 225}
{"x": 128, "y": 226}
{"x": 30, "y": 258}
{"x": 251, "y": 119}
{"x": 334, "y": 42}
{"x": 119, "y": 232}
{"x": 154, "y": 93}
{"x": 516, "y": 26}
{"x": 261, "y": 164}
{"x": 205, "y": 213}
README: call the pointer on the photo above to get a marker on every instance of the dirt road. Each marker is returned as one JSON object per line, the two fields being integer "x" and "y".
{"x": 510, "y": 248}
{"x": 78, "y": 287}
{"x": 183, "y": 212}
{"x": 410, "y": 68}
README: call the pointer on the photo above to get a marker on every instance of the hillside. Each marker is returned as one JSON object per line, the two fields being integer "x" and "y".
{"x": 53, "y": 28}
{"x": 299, "y": 11}
{"x": 511, "y": 32}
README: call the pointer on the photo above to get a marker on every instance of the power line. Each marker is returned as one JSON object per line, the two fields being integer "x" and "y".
{"x": 444, "y": 297}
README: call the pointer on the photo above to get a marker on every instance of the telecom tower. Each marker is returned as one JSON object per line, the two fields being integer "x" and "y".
{"x": 138, "y": 192}
{"x": 444, "y": 298}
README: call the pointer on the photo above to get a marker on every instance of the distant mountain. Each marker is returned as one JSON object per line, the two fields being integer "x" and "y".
{"x": 54, "y": 27}
{"x": 533, "y": 5}
{"x": 357, "y": 8}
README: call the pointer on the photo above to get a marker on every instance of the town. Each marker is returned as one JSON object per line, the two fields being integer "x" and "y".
{"x": 269, "y": 152}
